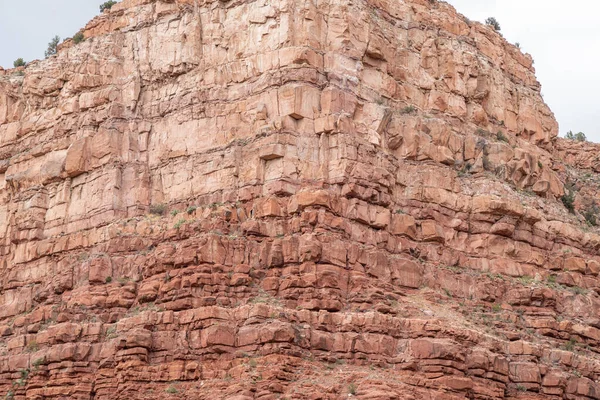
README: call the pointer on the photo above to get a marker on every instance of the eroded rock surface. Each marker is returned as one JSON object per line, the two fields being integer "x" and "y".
{"x": 292, "y": 199}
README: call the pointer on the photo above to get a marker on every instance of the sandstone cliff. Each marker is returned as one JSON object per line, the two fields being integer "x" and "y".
{"x": 292, "y": 200}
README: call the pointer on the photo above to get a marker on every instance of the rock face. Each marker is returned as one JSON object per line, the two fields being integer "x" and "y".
{"x": 292, "y": 200}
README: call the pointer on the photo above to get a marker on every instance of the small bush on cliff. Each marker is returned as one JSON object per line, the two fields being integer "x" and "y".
{"x": 38, "y": 362}
{"x": 51, "y": 50}
{"x": 158, "y": 209}
{"x": 107, "y": 5}
{"x": 19, "y": 62}
{"x": 579, "y": 136}
{"x": 352, "y": 389}
{"x": 591, "y": 214}
{"x": 409, "y": 110}
{"x": 171, "y": 389}
{"x": 191, "y": 209}
{"x": 568, "y": 199}
{"x": 78, "y": 38}
{"x": 493, "y": 22}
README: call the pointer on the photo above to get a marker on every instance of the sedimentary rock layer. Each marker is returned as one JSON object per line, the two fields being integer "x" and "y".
{"x": 292, "y": 199}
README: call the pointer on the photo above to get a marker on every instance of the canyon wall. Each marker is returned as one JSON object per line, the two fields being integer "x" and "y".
{"x": 314, "y": 199}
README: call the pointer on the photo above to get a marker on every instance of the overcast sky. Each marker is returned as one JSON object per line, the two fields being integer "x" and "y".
{"x": 562, "y": 38}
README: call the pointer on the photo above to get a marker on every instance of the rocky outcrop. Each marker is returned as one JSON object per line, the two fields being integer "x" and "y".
{"x": 302, "y": 200}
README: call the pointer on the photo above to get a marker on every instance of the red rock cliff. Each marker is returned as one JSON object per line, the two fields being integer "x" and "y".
{"x": 292, "y": 199}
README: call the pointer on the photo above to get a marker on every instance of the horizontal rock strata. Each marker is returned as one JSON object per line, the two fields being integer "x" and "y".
{"x": 293, "y": 200}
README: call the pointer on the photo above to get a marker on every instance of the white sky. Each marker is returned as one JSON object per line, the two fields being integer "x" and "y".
{"x": 562, "y": 38}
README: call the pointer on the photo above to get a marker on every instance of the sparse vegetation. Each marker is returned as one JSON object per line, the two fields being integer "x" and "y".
{"x": 174, "y": 213}
{"x": 22, "y": 381}
{"x": 78, "y": 38}
{"x": 481, "y": 132}
{"x": 171, "y": 389}
{"x": 579, "y": 136}
{"x": 571, "y": 344}
{"x": 486, "y": 162}
{"x": 51, "y": 50}
{"x": 591, "y": 214}
{"x": 191, "y": 209}
{"x": 108, "y": 279}
{"x": 158, "y": 209}
{"x": 352, "y": 389}
{"x": 38, "y": 362}
{"x": 518, "y": 45}
{"x": 32, "y": 346}
{"x": 568, "y": 199}
{"x": 501, "y": 137}
{"x": 409, "y": 110}
{"x": 577, "y": 290}
{"x": 107, "y": 5}
{"x": 493, "y": 22}
{"x": 111, "y": 332}
{"x": 465, "y": 169}
{"x": 525, "y": 280}
{"x": 19, "y": 62}
{"x": 179, "y": 223}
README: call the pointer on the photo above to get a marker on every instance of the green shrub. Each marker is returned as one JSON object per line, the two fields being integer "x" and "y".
{"x": 24, "y": 374}
{"x": 158, "y": 209}
{"x": 108, "y": 279}
{"x": 51, "y": 50}
{"x": 191, "y": 209}
{"x": 38, "y": 362}
{"x": 19, "y": 63}
{"x": 481, "y": 132}
{"x": 409, "y": 110}
{"x": 568, "y": 199}
{"x": 171, "y": 389}
{"x": 107, "y": 5}
{"x": 591, "y": 214}
{"x": 78, "y": 38}
{"x": 501, "y": 137}
{"x": 491, "y": 21}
